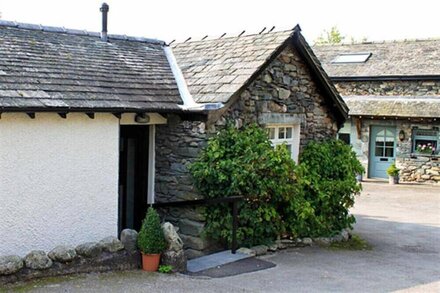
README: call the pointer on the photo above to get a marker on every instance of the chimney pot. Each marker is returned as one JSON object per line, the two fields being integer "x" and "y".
{"x": 104, "y": 9}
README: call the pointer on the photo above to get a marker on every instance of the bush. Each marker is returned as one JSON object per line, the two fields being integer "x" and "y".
{"x": 151, "y": 239}
{"x": 392, "y": 170}
{"x": 325, "y": 190}
{"x": 243, "y": 163}
{"x": 311, "y": 199}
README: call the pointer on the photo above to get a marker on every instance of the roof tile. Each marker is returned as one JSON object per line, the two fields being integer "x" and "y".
{"x": 54, "y": 68}
{"x": 408, "y": 57}
{"x": 231, "y": 61}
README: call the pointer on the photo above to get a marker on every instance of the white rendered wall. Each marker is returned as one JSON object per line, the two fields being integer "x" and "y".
{"x": 58, "y": 180}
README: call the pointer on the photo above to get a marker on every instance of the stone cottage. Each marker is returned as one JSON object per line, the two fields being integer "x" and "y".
{"x": 272, "y": 79}
{"x": 94, "y": 127}
{"x": 393, "y": 92}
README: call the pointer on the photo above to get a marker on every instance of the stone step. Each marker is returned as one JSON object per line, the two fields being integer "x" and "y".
{"x": 214, "y": 260}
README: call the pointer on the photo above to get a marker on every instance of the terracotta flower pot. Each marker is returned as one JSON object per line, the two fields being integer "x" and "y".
{"x": 150, "y": 262}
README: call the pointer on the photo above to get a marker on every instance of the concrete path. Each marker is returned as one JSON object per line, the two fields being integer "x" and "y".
{"x": 402, "y": 223}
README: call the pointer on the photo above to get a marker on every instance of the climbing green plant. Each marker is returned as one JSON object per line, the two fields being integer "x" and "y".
{"x": 325, "y": 189}
{"x": 243, "y": 163}
{"x": 281, "y": 198}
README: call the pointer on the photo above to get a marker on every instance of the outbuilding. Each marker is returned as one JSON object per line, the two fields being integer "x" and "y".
{"x": 94, "y": 127}
{"x": 393, "y": 91}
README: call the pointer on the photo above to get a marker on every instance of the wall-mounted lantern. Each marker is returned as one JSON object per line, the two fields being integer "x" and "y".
{"x": 142, "y": 118}
{"x": 402, "y": 135}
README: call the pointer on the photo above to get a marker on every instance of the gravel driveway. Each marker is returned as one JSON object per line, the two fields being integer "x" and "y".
{"x": 402, "y": 223}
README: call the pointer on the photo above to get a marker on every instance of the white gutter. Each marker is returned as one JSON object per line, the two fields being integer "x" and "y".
{"x": 188, "y": 101}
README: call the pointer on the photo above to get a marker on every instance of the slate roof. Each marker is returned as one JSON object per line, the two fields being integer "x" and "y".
{"x": 52, "y": 69}
{"x": 216, "y": 70}
{"x": 394, "y": 106}
{"x": 389, "y": 58}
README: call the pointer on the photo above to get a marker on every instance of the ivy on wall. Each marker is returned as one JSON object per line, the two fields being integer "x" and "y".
{"x": 281, "y": 198}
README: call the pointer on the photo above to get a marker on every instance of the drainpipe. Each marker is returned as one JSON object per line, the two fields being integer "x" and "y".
{"x": 188, "y": 102}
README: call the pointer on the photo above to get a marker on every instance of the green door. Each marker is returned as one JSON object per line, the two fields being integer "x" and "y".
{"x": 382, "y": 150}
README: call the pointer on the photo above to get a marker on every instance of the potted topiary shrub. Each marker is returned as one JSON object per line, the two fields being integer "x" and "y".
{"x": 393, "y": 174}
{"x": 151, "y": 241}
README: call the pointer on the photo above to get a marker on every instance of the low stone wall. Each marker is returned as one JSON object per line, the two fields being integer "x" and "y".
{"x": 281, "y": 244}
{"x": 389, "y": 88}
{"x": 108, "y": 254}
{"x": 419, "y": 169}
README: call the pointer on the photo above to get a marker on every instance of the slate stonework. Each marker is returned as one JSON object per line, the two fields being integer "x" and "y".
{"x": 285, "y": 87}
{"x": 419, "y": 169}
{"x": 389, "y": 88}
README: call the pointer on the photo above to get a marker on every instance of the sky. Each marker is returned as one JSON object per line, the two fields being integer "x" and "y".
{"x": 167, "y": 20}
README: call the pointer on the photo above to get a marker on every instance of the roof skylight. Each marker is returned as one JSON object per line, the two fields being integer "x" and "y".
{"x": 352, "y": 58}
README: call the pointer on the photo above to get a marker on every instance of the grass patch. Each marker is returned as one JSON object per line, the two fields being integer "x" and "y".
{"x": 354, "y": 243}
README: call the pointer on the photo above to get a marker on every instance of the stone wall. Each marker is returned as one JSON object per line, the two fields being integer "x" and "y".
{"x": 389, "y": 88}
{"x": 285, "y": 91}
{"x": 419, "y": 169}
{"x": 108, "y": 254}
{"x": 177, "y": 145}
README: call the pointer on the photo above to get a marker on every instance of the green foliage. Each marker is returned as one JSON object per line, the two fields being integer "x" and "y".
{"x": 392, "y": 170}
{"x": 325, "y": 189}
{"x": 151, "y": 239}
{"x": 243, "y": 163}
{"x": 165, "y": 269}
{"x": 330, "y": 37}
{"x": 354, "y": 243}
{"x": 311, "y": 199}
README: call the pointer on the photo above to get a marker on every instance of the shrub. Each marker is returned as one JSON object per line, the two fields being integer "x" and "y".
{"x": 392, "y": 170}
{"x": 243, "y": 163}
{"x": 311, "y": 199}
{"x": 325, "y": 189}
{"x": 151, "y": 239}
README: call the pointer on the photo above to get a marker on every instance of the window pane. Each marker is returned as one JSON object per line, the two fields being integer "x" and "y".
{"x": 357, "y": 57}
{"x": 389, "y": 139}
{"x": 389, "y": 152}
{"x": 389, "y": 143}
{"x": 379, "y": 152}
{"x": 345, "y": 137}
{"x": 390, "y": 134}
{"x": 289, "y": 147}
{"x": 379, "y": 143}
{"x": 281, "y": 133}
{"x": 271, "y": 133}
{"x": 425, "y": 146}
{"x": 289, "y": 132}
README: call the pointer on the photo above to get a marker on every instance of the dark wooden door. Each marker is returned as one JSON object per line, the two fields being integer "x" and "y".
{"x": 133, "y": 176}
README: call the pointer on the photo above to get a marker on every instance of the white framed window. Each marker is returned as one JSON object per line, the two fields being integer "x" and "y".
{"x": 288, "y": 135}
{"x": 352, "y": 57}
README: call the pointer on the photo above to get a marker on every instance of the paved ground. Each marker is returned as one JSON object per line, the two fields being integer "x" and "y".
{"x": 402, "y": 223}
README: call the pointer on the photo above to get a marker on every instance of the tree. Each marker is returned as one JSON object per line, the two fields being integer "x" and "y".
{"x": 330, "y": 37}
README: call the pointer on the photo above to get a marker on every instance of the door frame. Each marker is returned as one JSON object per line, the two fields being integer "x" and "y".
{"x": 149, "y": 156}
{"x": 372, "y": 149}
